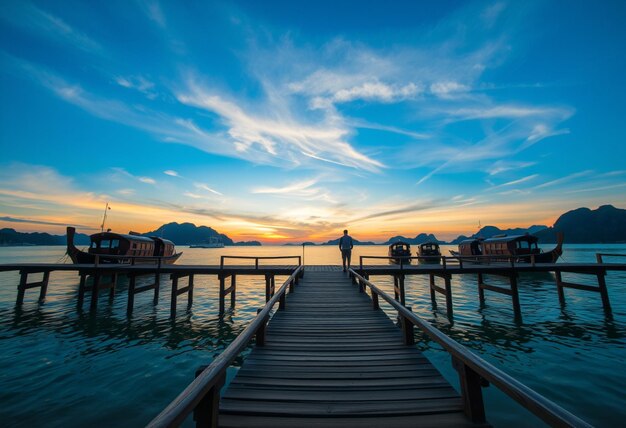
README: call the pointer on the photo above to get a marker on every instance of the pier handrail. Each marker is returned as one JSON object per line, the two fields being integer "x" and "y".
{"x": 599, "y": 256}
{"x": 444, "y": 259}
{"x": 256, "y": 259}
{"x": 213, "y": 375}
{"x": 473, "y": 370}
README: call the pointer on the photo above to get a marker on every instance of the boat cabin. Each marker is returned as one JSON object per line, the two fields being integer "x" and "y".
{"x": 400, "y": 249}
{"x": 511, "y": 245}
{"x": 471, "y": 247}
{"x": 428, "y": 249}
{"x": 163, "y": 247}
{"x": 116, "y": 244}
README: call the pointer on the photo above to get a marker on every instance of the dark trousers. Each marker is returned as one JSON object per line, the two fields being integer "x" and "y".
{"x": 345, "y": 256}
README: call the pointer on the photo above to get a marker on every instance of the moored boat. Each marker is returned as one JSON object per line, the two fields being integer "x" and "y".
{"x": 429, "y": 252}
{"x": 122, "y": 248}
{"x": 400, "y": 252}
{"x": 519, "y": 248}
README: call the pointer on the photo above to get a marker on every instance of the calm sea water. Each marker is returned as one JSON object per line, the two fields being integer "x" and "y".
{"x": 62, "y": 366}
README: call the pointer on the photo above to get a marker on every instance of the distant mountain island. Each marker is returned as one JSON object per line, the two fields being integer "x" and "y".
{"x": 10, "y": 237}
{"x": 419, "y": 239}
{"x": 603, "y": 225}
{"x": 190, "y": 234}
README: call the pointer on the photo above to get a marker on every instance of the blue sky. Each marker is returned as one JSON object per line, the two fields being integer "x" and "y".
{"x": 284, "y": 121}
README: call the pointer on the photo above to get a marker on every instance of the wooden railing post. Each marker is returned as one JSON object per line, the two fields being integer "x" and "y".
{"x": 448, "y": 284}
{"x": 260, "y": 334}
{"x": 375, "y": 303}
{"x": 207, "y": 411}
{"x": 407, "y": 329}
{"x": 95, "y": 289}
{"x": 401, "y": 286}
{"x": 471, "y": 391}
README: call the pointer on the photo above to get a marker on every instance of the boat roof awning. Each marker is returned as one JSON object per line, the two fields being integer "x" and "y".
{"x": 528, "y": 238}
{"x": 111, "y": 235}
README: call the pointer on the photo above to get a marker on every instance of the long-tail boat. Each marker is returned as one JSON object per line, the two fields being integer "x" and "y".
{"x": 429, "y": 252}
{"x": 122, "y": 248}
{"x": 399, "y": 252}
{"x": 519, "y": 248}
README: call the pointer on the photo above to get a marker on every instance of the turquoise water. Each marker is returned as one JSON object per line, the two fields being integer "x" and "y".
{"x": 61, "y": 366}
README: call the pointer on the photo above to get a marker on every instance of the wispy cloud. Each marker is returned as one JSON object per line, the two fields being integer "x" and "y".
{"x": 203, "y": 186}
{"x": 46, "y": 223}
{"x": 138, "y": 83}
{"x": 171, "y": 173}
{"x": 564, "y": 179}
{"x": 31, "y": 17}
{"x": 516, "y": 182}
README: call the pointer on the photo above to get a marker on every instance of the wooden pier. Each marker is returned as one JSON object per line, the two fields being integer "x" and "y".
{"x": 330, "y": 360}
{"x": 330, "y": 357}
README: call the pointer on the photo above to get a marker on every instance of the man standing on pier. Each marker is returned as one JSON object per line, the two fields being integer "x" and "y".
{"x": 345, "y": 245}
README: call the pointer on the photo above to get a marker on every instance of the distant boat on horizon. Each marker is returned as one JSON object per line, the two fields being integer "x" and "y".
{"x": 113, "y": 247}
{"x": 214, "y": 242}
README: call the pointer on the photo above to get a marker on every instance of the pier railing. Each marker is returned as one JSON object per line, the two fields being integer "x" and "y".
{"x": 202, "y": 395}
{"x": 457, "y": 260}
{"x": 474, "y": 372}
{"x": 256, "y": 259}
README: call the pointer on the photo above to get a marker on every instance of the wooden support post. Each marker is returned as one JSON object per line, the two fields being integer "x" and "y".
{"x": 44, "y": 286}
{"x": 282, "y": 304}
{"x": 268, "y": 287}
{"x": 396, "y": 288}
{"x": 606, "y": 304}
{"x": 222, "y": 279}
{"x": 174, "y": 296}
{"x": 401, "y": 286}
{"x": 515, "y": 295}
{"x": 157, "y": 285}
{"x": 21, "y": 289}
{"x": 113, "y": 285}
{"x": 206, "y": 413}
{"x": 95, "y": 289}
{"x": 273, "y": 285}
{"x": 481, "y": 292}
{"x": 190, "y": 292}
{"x": 131, "y": 293}
{"x": 433, "y": 296}
{"x": 407, "y": 330}
{"x": 292, "y": 284}
{"x": 448, "y": 285}
{"x": 233, "y": 285}
{"x": 559, "y": 287}
{"x": 375, "y": 304}
{"x": 81, "y": 289}
{"x": 471, "y": 391}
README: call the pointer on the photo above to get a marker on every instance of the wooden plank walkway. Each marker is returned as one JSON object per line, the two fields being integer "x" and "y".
{"x": 331, "y": 360}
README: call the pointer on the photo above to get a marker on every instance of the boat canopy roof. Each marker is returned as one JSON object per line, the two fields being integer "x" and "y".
{"x": 470, "y": 241}
{"x": 429, "y": 244}
{"x": 165, "y": 241}
{"x": 112, "y": 235}
{"x": 400, "y": 244}
{"x": 529, "y": 238}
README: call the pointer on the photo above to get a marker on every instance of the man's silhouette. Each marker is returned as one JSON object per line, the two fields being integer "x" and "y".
{"x": 345, "y": 245}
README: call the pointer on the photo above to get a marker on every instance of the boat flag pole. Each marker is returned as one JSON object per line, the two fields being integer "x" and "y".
{"x": 104, "y": 217}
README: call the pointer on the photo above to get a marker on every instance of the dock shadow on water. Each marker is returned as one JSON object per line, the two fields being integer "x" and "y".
{"x": 63, "y": 366}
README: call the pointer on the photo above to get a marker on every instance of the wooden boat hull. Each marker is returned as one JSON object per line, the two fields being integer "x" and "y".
{"x": 83, "y": 257}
